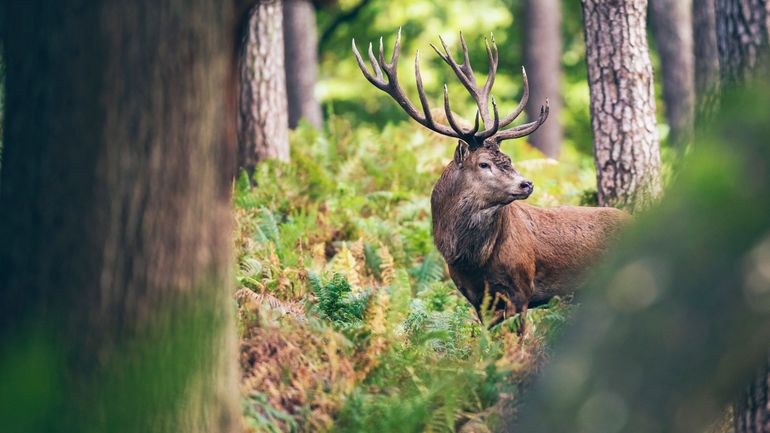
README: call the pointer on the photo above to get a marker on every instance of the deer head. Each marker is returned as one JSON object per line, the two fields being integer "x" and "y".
{"x": 479, "y": 168}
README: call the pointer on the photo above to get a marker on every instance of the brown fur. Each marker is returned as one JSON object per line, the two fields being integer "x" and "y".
{"x": 520, "y": 253}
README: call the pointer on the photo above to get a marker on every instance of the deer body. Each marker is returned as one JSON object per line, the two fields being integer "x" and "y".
{"x": 519, "y": 254}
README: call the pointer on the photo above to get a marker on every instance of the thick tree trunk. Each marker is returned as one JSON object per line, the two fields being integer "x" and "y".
{"x": 301, "y": 45}
{"x": 742, "y": 35}
{"x": 263, "y": 123}
{"x": 752, "y": 411}
{"x": 626, "y": 150}
{"x": 672, "y": 27}
{"x": 115, "y": 308}
{"x": 706, "y": 59}
{"x": 542, "y": 58}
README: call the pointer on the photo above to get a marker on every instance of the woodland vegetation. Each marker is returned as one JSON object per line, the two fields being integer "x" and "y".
{"x": 210, "y": 221}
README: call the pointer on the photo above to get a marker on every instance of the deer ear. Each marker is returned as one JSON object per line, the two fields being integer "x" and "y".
{"x": 461, "y": 152}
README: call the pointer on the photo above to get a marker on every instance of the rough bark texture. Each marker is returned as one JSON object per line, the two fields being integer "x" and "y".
{"x": 742, "y": 37}
{"x": 626, "y": 150}
{"x": 115, "y": 239}
{"x": 706, "y": 58}
{"x": 263, "y": 123}
{"x": 752, "y": 411}
{"x": 301, "y": 45}
{"x": 542, "y": 58}
{"x": 672, "y": 28}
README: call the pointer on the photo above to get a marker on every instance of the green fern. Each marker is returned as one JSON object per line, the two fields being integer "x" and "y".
{"x": 336, "y": 301}
{"x": 431, "y": 269}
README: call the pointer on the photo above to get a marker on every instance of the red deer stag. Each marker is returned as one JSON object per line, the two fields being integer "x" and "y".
{"x": 519, "y": 254}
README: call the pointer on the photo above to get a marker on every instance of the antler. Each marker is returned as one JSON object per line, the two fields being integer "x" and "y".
{"x": 464, "y": 73}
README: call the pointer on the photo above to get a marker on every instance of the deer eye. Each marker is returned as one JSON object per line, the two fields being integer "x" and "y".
{"x": 484, "y": 165}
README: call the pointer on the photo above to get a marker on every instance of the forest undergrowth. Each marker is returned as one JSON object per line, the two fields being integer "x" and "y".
{"x": 347, "y": 317}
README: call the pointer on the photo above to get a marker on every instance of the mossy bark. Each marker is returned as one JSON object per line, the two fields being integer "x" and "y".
{"x": 114, "y": 230}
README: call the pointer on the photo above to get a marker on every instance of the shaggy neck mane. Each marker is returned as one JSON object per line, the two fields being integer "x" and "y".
{"x": 465, "y": 233}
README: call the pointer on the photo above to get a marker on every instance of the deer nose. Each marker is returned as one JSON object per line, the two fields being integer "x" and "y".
{"x": 527, "y": 185}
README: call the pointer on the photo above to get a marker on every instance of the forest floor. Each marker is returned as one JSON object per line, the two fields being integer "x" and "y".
{"x": 347, "y": 317}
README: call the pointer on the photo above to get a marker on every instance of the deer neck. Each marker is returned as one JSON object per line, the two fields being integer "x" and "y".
{"x": 464, "y": 232}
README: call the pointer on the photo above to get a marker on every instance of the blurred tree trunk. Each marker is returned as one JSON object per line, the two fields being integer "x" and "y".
{"x": 626, "y": 150}
{"x": 742, "y": 37}
{"x": 542, "y": 58}
{"x": 672, "y": 28}
{"x": 115, "y": 238}
{"x": 301, "y": 46}
{"x": 706, "y": 59}
{"x": 263, "y": 127}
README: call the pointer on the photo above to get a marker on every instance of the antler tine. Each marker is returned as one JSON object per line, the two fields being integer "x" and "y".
{"x": 495, "y": 125}
{"x": 375, "y": 64}
{"x": 525, "y": 129}
{"x": 466, "y": 66}
{"x": 522, "y": 103}
{"x": 375, "y": 81}
{"x": 493, "y": 62}
{"x": 421, "y": 89}
{"x": 451, "y": 118}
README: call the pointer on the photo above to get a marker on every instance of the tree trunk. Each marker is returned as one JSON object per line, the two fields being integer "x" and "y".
{"x": 742, "y": 37}
{"x": 301, "y": 45}
{"x": 742, "y": 33}
{"x": 752, "y": 411}
{"x": 706, "y": 59}
{"x": 115, "y": 238}
{"x": 542, "y": 58}
{"x": 626, "y": 150}
{"x": 672, "y": 28}
{"x": 263, "y": 127}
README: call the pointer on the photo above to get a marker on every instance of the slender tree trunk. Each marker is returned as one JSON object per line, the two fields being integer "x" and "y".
{"x": 752, "y": 411}
{"x": 542, "y": 58}
{"x": 742, "y": 35}
{"x": 115, "y": 308}
{"x": 706, "y": 59}
{"x": 263, "y": 127}
{"x": 301, "y": 45}
{"x": 626, "y": 150}
{"x": 672, "y": 28}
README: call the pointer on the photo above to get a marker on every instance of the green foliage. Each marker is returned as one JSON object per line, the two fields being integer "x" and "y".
{"x": 345, "y": 230}
{"x": 336, "y": 301}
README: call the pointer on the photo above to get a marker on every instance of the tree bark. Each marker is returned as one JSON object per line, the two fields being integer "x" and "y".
{"x": 263, "y": 126}
{"x": 626, "y": 150}
{"x": 672, "y": 28}
{"x": 752, "y": 410}
{"x": 706, "y": 59}
{"x": 742, "y": 36}
{"x": 542, "y": 58}
{"x": 301, "y": 45}
{"x": 115, "y": 239}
